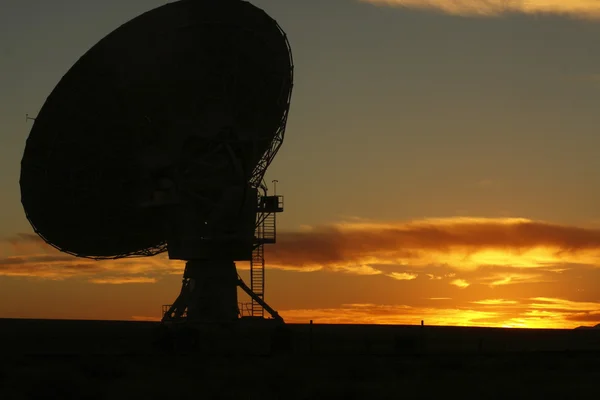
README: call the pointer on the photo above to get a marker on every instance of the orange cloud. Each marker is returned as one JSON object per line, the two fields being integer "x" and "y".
{"x": 495, "y": 302}
{"x": 461, "y": 283}
{"x": 123, "y": 280}
{"x": 403, "y": 276}
{"x": 547, "y": 303}
{"x": 36, "y": 259}
{"x": 535, "y": 251}
{"x": 463, "y": 244}
{"x": 512, "y": 278}
{"x": 494, "y": 8}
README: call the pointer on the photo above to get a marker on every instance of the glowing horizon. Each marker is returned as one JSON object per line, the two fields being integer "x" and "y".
{"x": 491, "y": 270}
{"x": 531, "y": 315}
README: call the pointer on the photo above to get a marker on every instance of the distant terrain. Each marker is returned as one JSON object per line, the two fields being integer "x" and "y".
{"x": 119, "y": 360}
{"x": 589, "y": 327}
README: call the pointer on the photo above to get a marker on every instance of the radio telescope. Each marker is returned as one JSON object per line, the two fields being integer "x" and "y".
{"x": 157, "y": 140}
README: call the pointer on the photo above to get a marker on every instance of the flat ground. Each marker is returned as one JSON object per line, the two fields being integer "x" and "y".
{"x": 116, "y": 360}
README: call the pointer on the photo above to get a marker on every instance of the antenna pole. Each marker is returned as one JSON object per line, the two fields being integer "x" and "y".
{"x": 275, "y": 187}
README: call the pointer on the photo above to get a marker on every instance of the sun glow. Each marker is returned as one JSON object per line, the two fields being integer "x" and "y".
{"x": 533, "y": 313}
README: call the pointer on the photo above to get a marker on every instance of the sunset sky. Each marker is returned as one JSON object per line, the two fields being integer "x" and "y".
{"x": 441, "y": 162}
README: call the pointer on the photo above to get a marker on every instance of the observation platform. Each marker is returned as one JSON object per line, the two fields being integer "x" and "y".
{"x": 270, "y": 204}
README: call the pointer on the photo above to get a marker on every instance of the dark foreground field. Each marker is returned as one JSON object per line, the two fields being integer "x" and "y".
{"x": 117, "y": 360}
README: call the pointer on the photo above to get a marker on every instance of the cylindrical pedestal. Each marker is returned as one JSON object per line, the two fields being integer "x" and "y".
{"x": 212, "y": 291}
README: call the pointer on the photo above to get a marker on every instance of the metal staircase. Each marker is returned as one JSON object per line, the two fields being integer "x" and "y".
{"x": 257, "y": 278}
{"x": 269, "y": 232}
{"x": 266, "y": 233}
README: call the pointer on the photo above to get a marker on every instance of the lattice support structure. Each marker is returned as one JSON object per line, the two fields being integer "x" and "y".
{"x": 261, "y": 168}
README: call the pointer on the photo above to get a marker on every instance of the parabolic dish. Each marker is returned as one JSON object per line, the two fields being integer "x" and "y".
{"x": 125, "y": 112}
